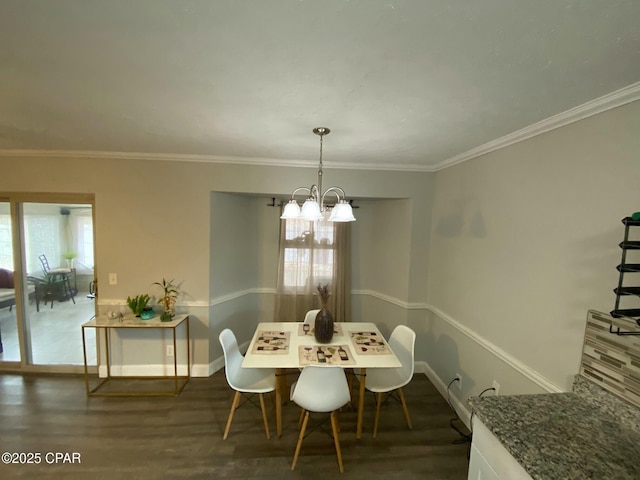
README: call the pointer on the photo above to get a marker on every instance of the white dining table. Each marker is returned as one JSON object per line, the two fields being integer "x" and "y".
{"x": 283, "y": 347}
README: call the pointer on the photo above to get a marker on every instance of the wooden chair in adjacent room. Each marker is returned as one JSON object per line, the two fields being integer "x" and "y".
{"x": 56, "y": 277}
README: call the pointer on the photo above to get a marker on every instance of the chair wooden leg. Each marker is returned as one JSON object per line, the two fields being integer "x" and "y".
{"x": 336, "y": 439}
{"x": 234, "y": 405}
{"x": 264, "y": 416}
{"x": 302, "y": 412}
{"x": 404, "y": 407}
{"x": 378, "y": 405}
{"x": 300, "y": 437}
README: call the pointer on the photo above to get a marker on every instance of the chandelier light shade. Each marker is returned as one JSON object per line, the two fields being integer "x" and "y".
{"x": 314, "y": 207}
{"x": 342, "y": 212}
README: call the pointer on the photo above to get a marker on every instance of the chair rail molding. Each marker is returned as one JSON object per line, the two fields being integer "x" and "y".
{"x": 120, "y": 302}
{"x": 240, "y": 293}
{"x": 392, "y": 300}
{"x": 511, "y": 361}
{"x": 496, "y": 351}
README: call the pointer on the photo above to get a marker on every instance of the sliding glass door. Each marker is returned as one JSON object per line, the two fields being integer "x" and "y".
{"x": 52, "y": 248}
{"x": 9, "y": 345}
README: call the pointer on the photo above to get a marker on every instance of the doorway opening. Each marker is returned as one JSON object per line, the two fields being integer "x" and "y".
{"x": 46, "y": 276}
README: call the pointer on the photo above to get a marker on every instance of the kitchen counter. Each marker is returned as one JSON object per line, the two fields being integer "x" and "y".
{"x": 588, "y": 433}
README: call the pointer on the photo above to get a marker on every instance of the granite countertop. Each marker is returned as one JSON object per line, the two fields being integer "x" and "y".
{"x": 578, "y": 435}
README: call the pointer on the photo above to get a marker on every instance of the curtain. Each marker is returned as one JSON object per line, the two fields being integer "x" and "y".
{"x": 313, "y": 253}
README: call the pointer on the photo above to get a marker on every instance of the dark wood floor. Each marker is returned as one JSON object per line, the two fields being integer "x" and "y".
{"x": 181, "y": 437}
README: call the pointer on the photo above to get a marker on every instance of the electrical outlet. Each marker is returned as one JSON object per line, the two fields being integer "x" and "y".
{"x": 496, "y": 387}
{"x": 113, "y": 279}
{"x": 459, "y": 381}
{"x": 169, "y": 350}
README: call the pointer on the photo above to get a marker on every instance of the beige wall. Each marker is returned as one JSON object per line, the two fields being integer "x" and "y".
{"x": 177, "y": 219}
{"x": 524, "y": 241}
{"x": 382, "y": 239}
{"x": 234, "y": 244}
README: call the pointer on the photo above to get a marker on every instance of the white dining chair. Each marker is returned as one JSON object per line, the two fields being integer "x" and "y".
{"x": 244, "y": 380}
{"x": 390, "y": 380}
{"x": 310, "y": 319}
{"x": 323, "y": 390}
{"x": 310, "y": 316}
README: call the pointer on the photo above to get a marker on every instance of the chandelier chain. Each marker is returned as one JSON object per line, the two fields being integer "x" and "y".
{"x": 314, "y": 208}
{"x": 320, "y": 169}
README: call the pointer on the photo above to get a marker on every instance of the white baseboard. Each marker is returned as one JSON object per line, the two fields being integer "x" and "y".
{"x": 197, "y": 370}
{"x": 218, "y": 363}
{"x": 153, "y": 370}
{"x": 141, "y": 370}
{"x": 457, "y": 404}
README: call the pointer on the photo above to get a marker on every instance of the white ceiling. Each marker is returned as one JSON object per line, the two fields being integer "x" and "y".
{"x": 402, "y": 84}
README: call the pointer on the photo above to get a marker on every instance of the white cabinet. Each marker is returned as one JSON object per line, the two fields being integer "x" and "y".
{"x": 479, "y": 468}
{"x": 490, "y": 460}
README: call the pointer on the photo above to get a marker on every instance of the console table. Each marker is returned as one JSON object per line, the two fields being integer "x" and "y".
{"x": 128, "y": 322}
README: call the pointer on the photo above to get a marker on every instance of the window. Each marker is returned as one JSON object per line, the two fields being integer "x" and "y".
{"x": 309, "y": 255}
{"x": 6, "y": 246}
{"x": 42, "y": 234}
{"x": 313, "y": 253}
{"x": 58, "y": 232}
{"x": 84, "y": 228}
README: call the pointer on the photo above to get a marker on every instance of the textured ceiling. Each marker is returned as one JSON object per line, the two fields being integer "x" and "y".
{"x": 408, "y": 84}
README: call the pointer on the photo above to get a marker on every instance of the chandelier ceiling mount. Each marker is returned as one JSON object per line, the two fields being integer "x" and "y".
{"x": 314, "y": 207}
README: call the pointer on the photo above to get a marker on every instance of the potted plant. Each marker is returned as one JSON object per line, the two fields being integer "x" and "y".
{"x": 168, "y": 299}
{"x": 69, "y": 256}
{"x": 139, "y": 305}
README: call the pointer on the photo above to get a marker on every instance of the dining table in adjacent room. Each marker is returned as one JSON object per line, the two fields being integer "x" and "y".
{"x": 292, "y": 345}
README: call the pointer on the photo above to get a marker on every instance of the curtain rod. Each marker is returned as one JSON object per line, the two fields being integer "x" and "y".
{"x": 283, "y": 202}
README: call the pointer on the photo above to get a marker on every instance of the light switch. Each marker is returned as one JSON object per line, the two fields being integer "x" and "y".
{"x": 113, "y": 279}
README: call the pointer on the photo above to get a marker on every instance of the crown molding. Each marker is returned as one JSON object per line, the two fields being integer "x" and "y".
{"x": 179, "y": 157}
{"x": 612, "y": 100}
{"x": 625, "y": 95}
{"x": 166, "y": 157}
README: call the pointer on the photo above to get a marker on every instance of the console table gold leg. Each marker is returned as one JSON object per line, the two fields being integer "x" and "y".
{"x": 86, "y": 370}
{"x": 175, "y": 363}
{"x": 188, "y": 350}
{"x": 107, "y": 344}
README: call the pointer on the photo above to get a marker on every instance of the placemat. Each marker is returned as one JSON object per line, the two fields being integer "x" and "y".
{"x": 272, "y": 343}
{"x": 369, "y": 343}
{"x": 325, "y": 355}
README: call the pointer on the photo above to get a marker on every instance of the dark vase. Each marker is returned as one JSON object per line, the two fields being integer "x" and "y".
{"x": 323, "y": 330}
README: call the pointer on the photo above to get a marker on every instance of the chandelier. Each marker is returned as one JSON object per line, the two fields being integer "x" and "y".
{"x": 314, "y": 207}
